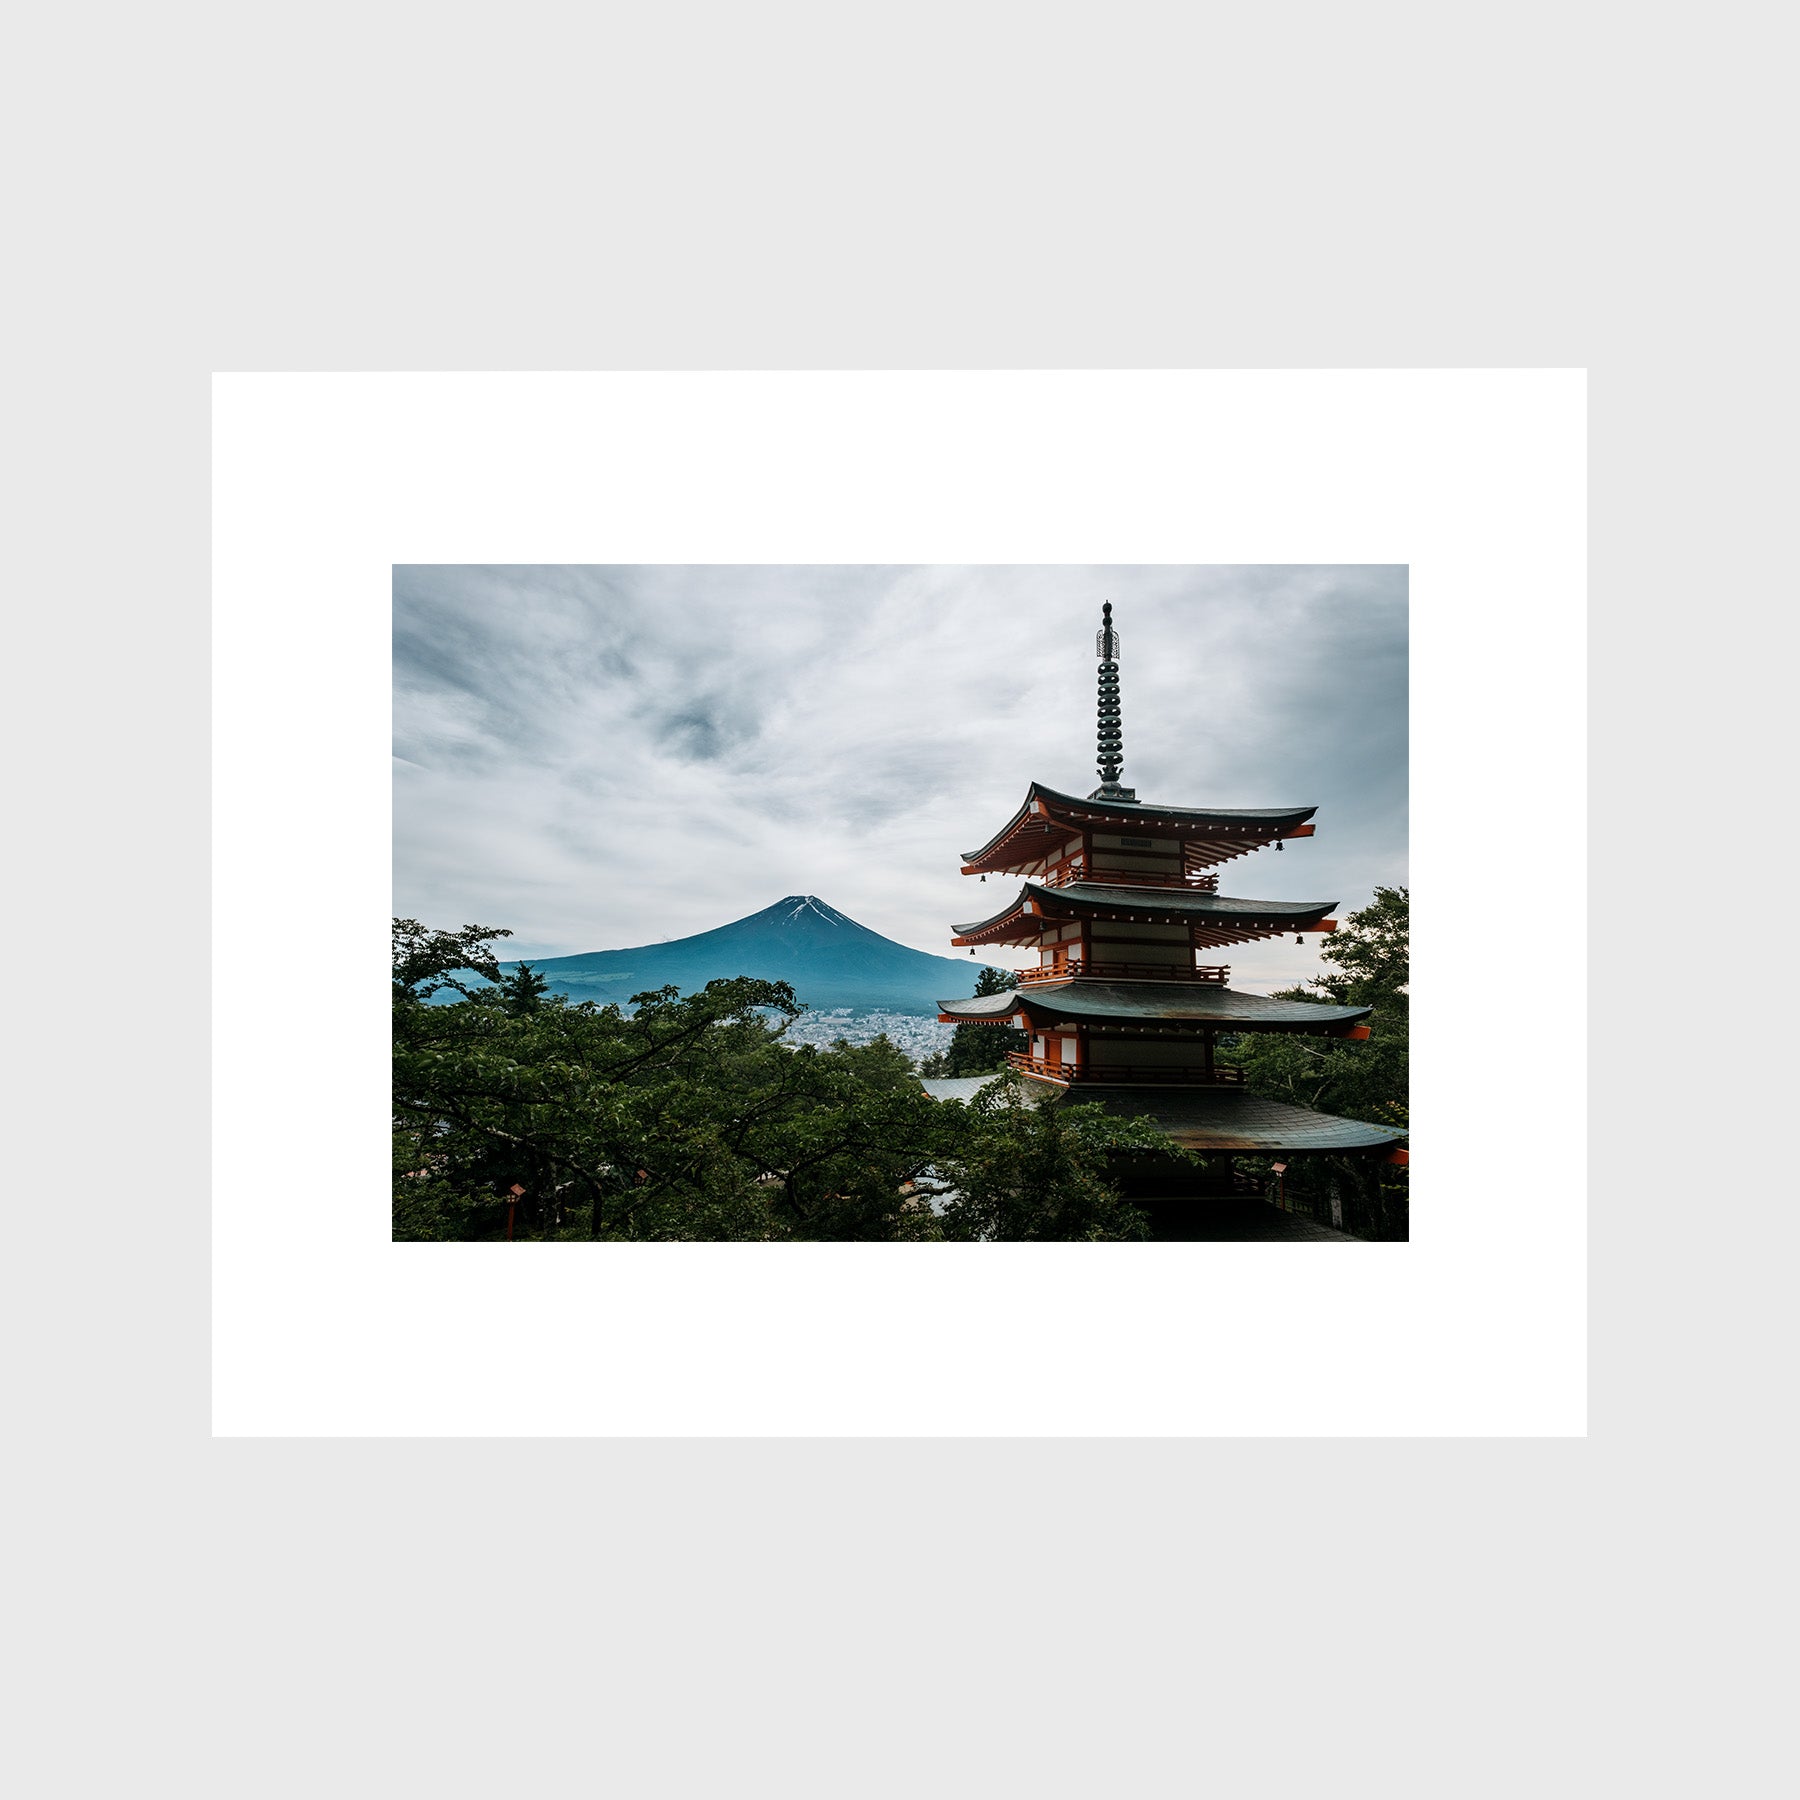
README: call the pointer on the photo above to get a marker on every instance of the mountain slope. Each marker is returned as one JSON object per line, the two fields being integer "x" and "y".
{"x": 830, "y": 959}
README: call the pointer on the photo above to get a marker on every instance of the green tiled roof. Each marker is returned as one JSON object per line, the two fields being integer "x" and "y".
{"x": 1092, "y": 897}
{"x": 1224, "y": 815}
{"x": 1195, "y": 1002}
{"x": 957, "y": 1087}
{"x": 1204, "y": 1119}
{"x": 1147, "y": 811}
{"x": 1226, "y": 1120}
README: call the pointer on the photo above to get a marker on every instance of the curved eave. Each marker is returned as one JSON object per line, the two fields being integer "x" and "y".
{"x": 980, "y": 1009}
{"x": 1153, "y": 1004}
{"x": 1238, "y": 828}
{"x": 1091, "y": 898}
{"x": 986, "y": 860}
{"x": 1216, "y": 918}
{"x": 1218, "y": 1119}
{"x": 1276, "y": 817}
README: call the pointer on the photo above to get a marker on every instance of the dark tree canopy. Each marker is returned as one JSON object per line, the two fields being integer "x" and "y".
{"x": 426, "y": 961}
{"x": 690, "y": 1117}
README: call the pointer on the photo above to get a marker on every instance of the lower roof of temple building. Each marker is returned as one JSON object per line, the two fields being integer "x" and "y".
{"x": 1085, "y": 1001}
{"x": 1224, "y": 1119}
{"x": 1215, "y": 1120}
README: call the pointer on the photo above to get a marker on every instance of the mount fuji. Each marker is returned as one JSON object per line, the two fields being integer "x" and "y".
{"x": 830, "y": 960}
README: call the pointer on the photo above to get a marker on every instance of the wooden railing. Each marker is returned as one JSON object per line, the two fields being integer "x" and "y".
{"x": 1098, "y": 970}
{"x": 1132, "y": 1074}
{"x": 1222, "y": 1076}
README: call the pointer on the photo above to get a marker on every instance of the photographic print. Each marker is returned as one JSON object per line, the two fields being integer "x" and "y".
{"x": 900, "y": 904}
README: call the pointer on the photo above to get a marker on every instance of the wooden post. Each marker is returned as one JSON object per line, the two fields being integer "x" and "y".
{"x": 1206, "y": 1039}
{"x": 512, "y": 1202}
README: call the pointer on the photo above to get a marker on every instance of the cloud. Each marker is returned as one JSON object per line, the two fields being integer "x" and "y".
{"x": 609, "y": 756}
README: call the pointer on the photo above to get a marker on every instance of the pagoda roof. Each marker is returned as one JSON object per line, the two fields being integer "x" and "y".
{"x": 1189, "y": 1002}
{"x": 957, "y": 1087}
{"x": 1228, "y": 1119}
{"x": 1203, "y": 1119}
{"x": 1240, "y": 828}
{"x": 1215, "y": 914}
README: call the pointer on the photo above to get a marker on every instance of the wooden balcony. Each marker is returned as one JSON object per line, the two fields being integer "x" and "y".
{"x": 1217, "y": 974}
{"x": 1124, "y": 1074}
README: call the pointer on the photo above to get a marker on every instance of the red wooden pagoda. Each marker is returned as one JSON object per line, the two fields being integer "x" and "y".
{"x": 1120, "y": 901}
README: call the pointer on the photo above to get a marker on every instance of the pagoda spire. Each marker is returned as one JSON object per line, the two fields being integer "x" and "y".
{"x": 1111, "y": 734}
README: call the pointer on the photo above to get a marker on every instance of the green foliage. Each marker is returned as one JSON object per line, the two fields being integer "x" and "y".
{"x": 1371, "y": 950}
{"x": 523, "y": 990}
{"x": 995, "y": 981}
{"x": 426, "y": 961}
{"x": 691, "y": 1118}
{"x": 978, "y": 1049}
{"x": 1369, "y": 955}
{"x": 1032, "y": 1170}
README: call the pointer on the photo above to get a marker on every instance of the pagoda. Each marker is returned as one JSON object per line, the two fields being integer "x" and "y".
{"x": 1120, "y": 899}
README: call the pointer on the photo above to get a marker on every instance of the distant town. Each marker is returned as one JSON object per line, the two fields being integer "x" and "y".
{"x": 918, "y": 1037}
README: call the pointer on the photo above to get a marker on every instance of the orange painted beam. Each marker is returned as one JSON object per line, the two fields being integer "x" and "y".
{"x": 1299, "y": 831}
{"x": 1357, "y": 1034}
{"x": 1396, "y": 1156}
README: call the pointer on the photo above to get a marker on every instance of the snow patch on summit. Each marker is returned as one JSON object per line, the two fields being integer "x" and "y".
{"x": 803, "y": 903}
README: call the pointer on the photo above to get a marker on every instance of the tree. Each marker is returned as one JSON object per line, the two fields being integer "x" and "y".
{"x": 1369, "y": 958}
{"x": 523, "y": 990}
{"x": 690, "y": 1117}
{"x": 426, "y": 961}
{"x": 685, "y": 1117}
{"x": 1027, "y": 1167}
{"x": 1370, "y": 950}
{"x": 979, "y": 1049}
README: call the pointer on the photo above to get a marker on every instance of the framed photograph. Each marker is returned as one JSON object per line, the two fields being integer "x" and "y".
{"x": 929, "y": 994}
{"x": 746, "y": 988}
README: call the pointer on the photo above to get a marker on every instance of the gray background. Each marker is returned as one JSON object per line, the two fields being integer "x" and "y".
{"x": 391, "y": 188}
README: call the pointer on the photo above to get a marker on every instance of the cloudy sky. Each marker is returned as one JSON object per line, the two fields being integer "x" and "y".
{"x": 601, "y": 757}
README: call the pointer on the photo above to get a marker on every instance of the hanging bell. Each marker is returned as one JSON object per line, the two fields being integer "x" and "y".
{"x": 1279, "y": 845}
{"x": 984, "y": 878}
{"x": 1299, "y": 939}
{"x": 971, "y": 949}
